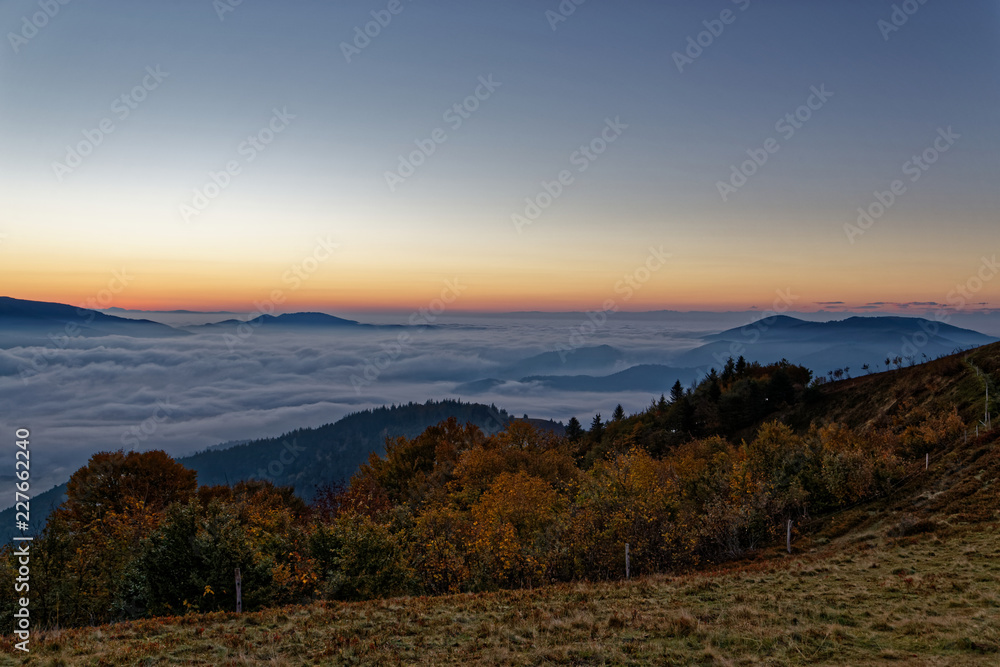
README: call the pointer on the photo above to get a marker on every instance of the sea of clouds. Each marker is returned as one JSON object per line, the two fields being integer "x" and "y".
{"x": 188, "y": 393}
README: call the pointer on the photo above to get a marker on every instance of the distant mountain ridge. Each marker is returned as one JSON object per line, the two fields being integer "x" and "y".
{"x": 315, "y": 320}
{"x": 25, "y": 322}
{"x": 566, "y": 362}
{"x": 651, "y": 378}
{"x": 22, "y": 318}
{"x": 824, "y": 346}
{"x": 783, "y": 327}
{"x": 820, "y": 346}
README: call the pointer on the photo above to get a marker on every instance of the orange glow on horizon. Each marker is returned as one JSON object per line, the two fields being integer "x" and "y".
{"x": 249, "y": 300}
{"x": 361, "y": 283}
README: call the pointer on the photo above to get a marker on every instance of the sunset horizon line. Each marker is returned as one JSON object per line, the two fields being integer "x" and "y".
{"x": 267, "y": 307}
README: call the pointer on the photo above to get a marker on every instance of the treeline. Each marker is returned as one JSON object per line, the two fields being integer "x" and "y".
{"x": 315, "y": 456}
{"x": 726, "y": 404}
{"x": 454, "y": 509}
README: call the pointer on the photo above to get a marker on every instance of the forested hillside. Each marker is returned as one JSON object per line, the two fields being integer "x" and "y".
{"x": 304, "y": 458}
{"x": 308, "y": 458}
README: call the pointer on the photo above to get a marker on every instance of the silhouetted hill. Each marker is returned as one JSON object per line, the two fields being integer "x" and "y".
{"x": 784, "y": 328}
{"x": 580, "y": 360}
{"x": 826, "y": 346}
{"x": 41, "y": 506}
{"x": 31, "y": 322}
{"x": 309, "y": 457}
{"x": 582, "y": 369}
{"x": 296, "y": 320}
{"x": 652, "y": 378}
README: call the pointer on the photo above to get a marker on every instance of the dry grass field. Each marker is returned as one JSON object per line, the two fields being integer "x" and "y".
{"x": 869, "y": 598}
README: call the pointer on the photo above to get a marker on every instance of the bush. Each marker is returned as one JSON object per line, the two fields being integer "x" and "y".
{"x": 515, "y": 531}
{"x": 359, "y": 559}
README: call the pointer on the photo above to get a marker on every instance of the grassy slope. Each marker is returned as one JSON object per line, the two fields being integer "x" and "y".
{"x": 929, "y": 599}
{"x": 856, "y": 591}
{"x": 943, "y": 383}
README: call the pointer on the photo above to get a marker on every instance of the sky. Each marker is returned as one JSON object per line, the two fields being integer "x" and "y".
{"x": 212, "y": 155}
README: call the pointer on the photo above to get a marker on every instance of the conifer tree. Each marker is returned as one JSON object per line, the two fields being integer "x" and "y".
{"x": 597, "y": 428}
{"x": 573, "y": 430}
{"x": 676, "y": 392}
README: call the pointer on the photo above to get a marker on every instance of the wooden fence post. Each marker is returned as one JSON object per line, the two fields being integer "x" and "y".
{"x": 927, "y": 461}
{"x": 628, "y": 564}
{"x": 239, "y": 592}
{"x": 788, "y": 538}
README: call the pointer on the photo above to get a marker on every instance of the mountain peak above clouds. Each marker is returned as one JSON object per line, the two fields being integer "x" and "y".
{"x": 25, "y": 319}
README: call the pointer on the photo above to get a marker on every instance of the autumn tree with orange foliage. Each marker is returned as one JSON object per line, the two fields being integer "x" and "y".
{"x": 517, "y": 525}
{"x": 631, "y": 498}
{"x": 92, "y": 539}
{"x": 412, "y": 468}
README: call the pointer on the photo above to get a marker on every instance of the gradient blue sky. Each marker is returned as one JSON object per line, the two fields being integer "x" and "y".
{"x": 655, "y": 186}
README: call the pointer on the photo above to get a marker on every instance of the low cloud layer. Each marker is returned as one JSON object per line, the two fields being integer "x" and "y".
{"x": 185, "y": 394}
